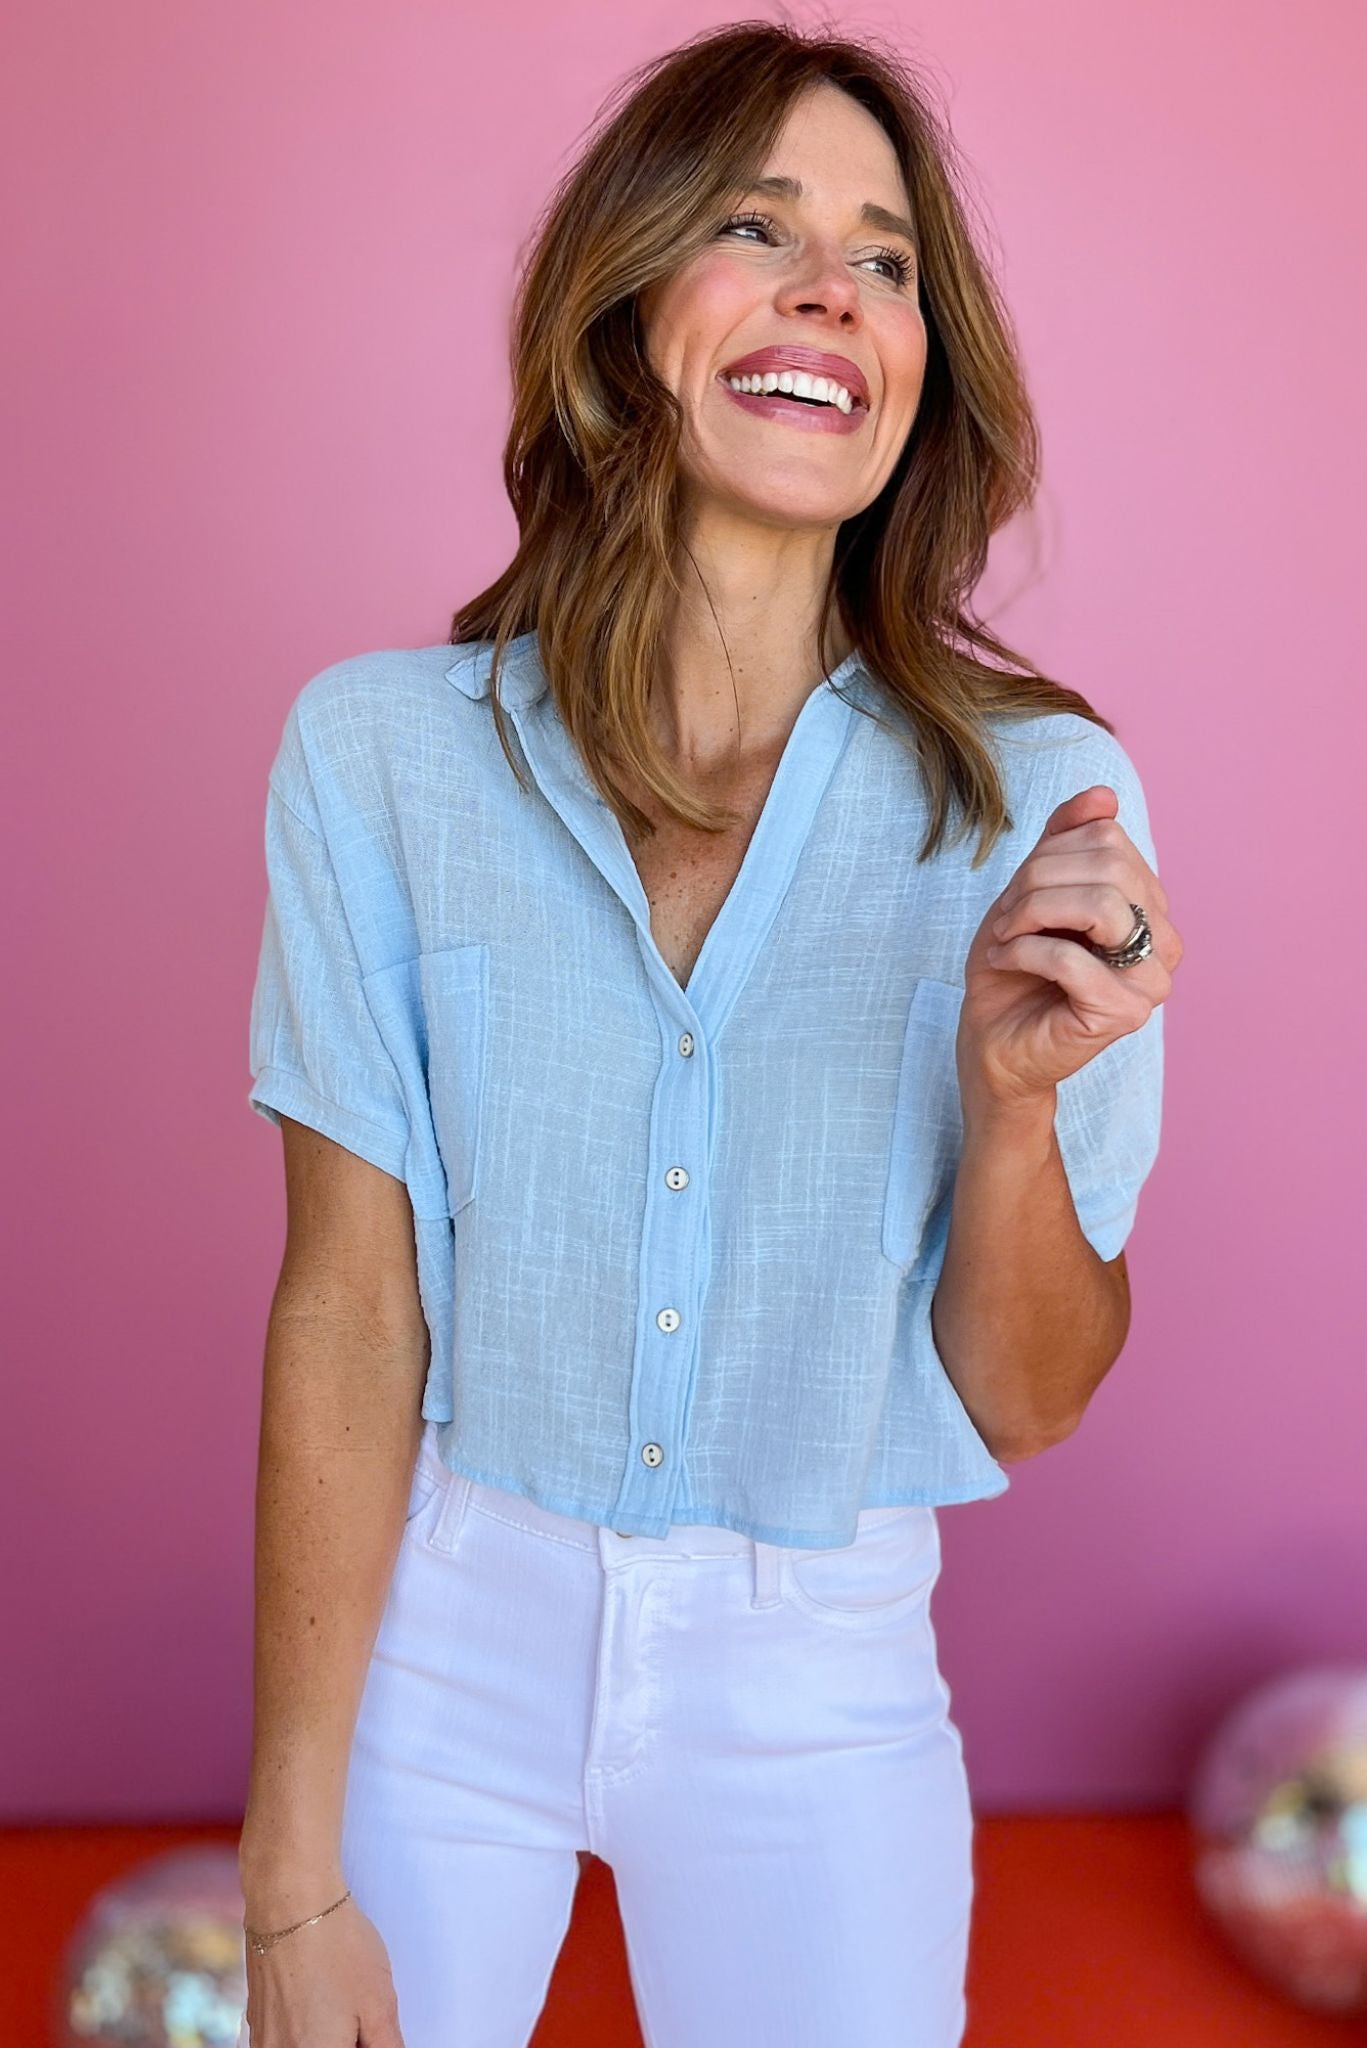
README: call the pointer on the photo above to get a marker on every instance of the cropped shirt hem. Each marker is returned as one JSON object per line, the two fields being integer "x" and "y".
{"x": 718, "y": 1518}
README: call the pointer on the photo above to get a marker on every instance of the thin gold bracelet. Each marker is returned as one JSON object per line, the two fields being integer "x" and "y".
{"x": 261, "y": 1942}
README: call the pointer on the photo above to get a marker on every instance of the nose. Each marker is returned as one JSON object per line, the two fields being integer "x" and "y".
{"x": 824, "y": 288}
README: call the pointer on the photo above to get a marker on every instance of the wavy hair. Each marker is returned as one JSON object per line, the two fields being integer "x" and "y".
{"x": 591, "y": 466}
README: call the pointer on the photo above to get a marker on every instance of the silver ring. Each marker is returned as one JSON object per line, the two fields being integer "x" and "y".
{"x": 1135, "y": 948}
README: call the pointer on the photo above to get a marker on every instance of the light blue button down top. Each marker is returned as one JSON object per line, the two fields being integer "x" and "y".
{"x": 676, "y": 1247}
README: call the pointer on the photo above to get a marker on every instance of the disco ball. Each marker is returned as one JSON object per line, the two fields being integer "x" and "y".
{"x": 158, "y": 1958}
{"x": 1279, "y": 1807}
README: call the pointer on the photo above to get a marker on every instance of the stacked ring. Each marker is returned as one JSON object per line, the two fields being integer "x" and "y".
{"x": 1135, "y": 948}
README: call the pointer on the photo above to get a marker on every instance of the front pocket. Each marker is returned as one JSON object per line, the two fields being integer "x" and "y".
{"x": 425, "y": 1484}
{"x": 927, "y": 1118}
{"x": 427, "y": 1488}
{"x": 885, "y": 1574}
{"x": 454, "y": 984}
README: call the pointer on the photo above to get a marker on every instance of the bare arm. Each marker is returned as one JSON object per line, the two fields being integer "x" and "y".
{"x": 1026, "y": 1317}
{"x": 346, "y": 1354}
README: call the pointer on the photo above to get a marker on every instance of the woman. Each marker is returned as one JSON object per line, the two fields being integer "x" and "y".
{"x": 701, "y": 1163}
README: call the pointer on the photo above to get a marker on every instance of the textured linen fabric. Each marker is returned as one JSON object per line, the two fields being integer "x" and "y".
{"x": 458, "y": 981}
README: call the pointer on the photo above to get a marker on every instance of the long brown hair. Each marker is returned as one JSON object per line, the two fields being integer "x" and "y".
{"x": 590, "y": 462}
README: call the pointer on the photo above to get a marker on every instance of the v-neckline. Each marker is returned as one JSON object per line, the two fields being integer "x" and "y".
{"x": 810, "y": 754}
{"x": 738, "y": 880}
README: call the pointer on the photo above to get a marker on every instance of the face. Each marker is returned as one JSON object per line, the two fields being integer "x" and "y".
{"x": 799, "y": 283}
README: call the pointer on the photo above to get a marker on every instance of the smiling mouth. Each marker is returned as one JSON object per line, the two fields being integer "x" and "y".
{"x": 799, "y": 387}
{"x": 830, "y": 408}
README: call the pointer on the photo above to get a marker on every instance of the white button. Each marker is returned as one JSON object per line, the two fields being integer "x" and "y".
{"x": 652, "y": 1454}
{"x": 686, "y": 1043}
{"x": 677, "y": 1177}
{"x": 668, "y": 1319}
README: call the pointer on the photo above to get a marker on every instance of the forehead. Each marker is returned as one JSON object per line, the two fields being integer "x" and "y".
{"x": 829, "y": 143}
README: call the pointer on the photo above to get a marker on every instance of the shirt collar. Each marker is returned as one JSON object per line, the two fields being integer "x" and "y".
{"x": 523, "y": 679}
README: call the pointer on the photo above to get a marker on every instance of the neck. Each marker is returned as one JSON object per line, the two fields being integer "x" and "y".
{"x": 742, "y": 655}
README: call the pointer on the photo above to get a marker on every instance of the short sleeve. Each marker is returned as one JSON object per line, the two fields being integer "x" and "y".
{"x": 315, "y": 1053}
{"x": 1109, "y": 1112}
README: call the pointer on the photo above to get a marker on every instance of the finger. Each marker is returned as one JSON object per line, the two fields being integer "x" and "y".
{"x": 1095, "y": 910}
{"x": 1105, "y": 1000}
{"x": 1060, "y": 857}
{"x": 1083, "y": 807}
{"x": 1075, "y": 907}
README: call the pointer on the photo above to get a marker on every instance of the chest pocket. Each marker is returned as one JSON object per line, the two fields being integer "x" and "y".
{"x": 927, "y": 1120}
{"x": 454, "y": 986}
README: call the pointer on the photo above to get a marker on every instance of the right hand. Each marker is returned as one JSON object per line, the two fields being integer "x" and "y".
{"x": 325, "y": 1986}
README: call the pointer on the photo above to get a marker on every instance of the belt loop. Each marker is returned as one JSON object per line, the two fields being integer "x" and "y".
{"x": 451, "y": 1516}
{"x": 768, "y": 1565}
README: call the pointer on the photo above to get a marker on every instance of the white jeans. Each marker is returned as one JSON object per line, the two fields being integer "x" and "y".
{"x": 755, "y": 1738}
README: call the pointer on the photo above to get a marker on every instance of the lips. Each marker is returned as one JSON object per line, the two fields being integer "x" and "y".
{"x": 813, "y": 360}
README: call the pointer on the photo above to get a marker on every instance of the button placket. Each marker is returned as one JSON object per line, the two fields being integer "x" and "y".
{"x": 675, "y": 1238}
{"x": 814, "y": 748}
{"x": 674, "y": 1242}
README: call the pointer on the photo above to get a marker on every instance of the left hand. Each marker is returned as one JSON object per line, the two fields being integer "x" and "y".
{"x": 1044, "y": 1005}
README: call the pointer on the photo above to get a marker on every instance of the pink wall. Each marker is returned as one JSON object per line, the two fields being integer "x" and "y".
{"x": 258, "y": 391}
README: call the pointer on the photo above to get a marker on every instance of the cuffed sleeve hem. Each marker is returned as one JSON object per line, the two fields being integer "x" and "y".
{"x": 1107, "y": 1234}
{"x": 275, "y": 1092}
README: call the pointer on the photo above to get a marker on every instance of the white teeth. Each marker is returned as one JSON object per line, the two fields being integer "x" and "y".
{"x": 796, "y": 383}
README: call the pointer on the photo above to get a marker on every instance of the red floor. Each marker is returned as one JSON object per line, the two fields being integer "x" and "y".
{"x": 1085, "y": 1932}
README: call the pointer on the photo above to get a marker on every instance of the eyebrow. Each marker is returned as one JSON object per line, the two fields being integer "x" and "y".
{"x": 873, "y": 216}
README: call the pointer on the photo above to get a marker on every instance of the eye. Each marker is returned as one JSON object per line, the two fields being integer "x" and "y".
{"x": 901, "y": 264}
{"x": 749, "y": 220}
{"x": 902, "y": 267}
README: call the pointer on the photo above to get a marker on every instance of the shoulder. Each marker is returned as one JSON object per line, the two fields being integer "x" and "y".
{"x": 1053, "y": 747}
{"x": 1048, "y": 757}
{"x": 350, "y": 724}
{"x": 351, "y": 700}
